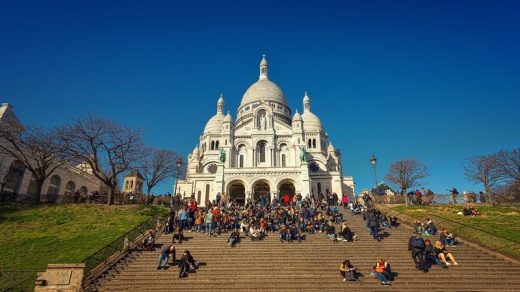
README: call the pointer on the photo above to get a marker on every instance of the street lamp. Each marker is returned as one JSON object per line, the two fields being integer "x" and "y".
{"x": 179, "y": 165}
{"x": 373, "y": 161}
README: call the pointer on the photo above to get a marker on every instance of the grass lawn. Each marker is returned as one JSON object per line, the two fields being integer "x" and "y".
{"x": 35, "y": 235}
{"x": 500, "y": 221}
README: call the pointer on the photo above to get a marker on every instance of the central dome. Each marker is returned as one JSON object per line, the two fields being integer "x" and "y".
{"x": 263, "y": 89}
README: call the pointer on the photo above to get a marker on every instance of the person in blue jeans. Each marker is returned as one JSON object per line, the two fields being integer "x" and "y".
{"x": 383, "y": 272}
{"x": 165, "y": 256}
{"x": 373, "y": 225}
{"x": 208, "y": 219}
{"x": 430, "y": 255}
{"x": 183, "y": 217}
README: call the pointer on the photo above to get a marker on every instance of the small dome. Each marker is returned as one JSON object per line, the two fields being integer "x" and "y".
{"x": 330, "y": 148}
{"x": 311, "y": 122}
{"x": 261, "y": 89}
{"x": 227, "y": 118}
{"x": 297, "y": 117}
{"x": 264, "y": 61}
{"x": 214, "y": 125}
{"x": 306, "y": 97}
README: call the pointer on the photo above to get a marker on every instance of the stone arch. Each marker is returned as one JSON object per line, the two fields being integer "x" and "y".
{"x": 70, "y": 188}
{"x": 236, "y": 190}
{"x": 260, "y": 187}
{"x": 83, "y": 191}
{"x": 54, "y": 185}
{"x": 14, "y": 177}
{"x": 286, "y": 186}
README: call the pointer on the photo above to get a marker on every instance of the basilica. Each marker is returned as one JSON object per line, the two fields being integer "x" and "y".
{"x": 266, "y": 150}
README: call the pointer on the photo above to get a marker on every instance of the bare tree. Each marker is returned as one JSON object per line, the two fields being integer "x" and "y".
{"x": 158, "y": 165}
{"x": 36, "y": 149}
{"x": 484, "y": 169}
{"x": 108, "y": 148}
{"x": 406, "y": 174}
{"x": 509, "y": 164}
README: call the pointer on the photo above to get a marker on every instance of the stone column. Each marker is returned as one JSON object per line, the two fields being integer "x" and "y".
{"x": 305, "y": 179}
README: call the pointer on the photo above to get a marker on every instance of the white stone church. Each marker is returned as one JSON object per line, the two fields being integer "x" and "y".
{"x": 266, "y": 151}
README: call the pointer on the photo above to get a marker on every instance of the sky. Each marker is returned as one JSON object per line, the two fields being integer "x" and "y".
{"x": 437, "y": 81}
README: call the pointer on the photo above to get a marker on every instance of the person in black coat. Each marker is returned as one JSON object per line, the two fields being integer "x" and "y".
{"x": 185, "y": 263}
{"x": 373, "y": 225}
{"x": 416, "y": 245}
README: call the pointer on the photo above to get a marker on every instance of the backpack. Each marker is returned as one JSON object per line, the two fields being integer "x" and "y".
{"x": 418, "y": 243}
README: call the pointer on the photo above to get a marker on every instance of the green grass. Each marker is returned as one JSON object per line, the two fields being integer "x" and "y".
{"x": 33, "y": 236}
{"x": 497, "y": 228}
{"x": 500, "y": 221}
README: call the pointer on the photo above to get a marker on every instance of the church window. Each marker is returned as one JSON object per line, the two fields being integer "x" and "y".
{"x": 216, "y": 144}
{"x": 212, "y": 147}
{"x": 319, "y": 188}
{"x": 313, "y": 143}
{"x": 283, "y": 160}
{"x": 241, "y": 161}
{"x": 261, "y": 152}
{"x": 225, "y": 142}
{"x": 309, "y": 144}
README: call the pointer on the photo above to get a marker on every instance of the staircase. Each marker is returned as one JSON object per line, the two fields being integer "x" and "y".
{"x": 311, "y": 265}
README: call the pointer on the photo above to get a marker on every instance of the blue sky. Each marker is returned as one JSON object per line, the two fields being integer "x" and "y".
{"x": 437, "y": 81}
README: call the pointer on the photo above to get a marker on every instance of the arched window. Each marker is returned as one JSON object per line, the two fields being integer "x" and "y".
{"x": 131, "y": 184}
{"x": 216, "y": 145}
{"x": 70, "y": 188}
{"x": 313, "y": 143}
{"x": 261, "y": 152}
{"x": 283, "y": 160}
{"x": 309, "y": 143}
{"x": 14, "y": 176}
{"x": 319, "y": 188}
{"x": 212, "y": 145}
{"x": 54, "y": 185}
{"x": 207, "y": 195}
{"x": 241, "y": 161}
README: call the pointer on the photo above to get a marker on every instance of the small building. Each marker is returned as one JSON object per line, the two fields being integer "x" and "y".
{"x": 133, "y": 182}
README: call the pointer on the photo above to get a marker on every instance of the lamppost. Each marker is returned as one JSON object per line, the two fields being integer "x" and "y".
{"x": 373, "y": 161}
{"x": 179, "y": 165}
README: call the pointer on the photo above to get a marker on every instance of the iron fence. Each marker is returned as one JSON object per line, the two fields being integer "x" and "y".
{"x": 118, "y": 246}
{"x": 17, "y": 280}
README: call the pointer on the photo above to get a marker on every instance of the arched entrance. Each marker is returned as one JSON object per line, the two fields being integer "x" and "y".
{"x": 14, "y": 176}
{"x": 286, "y": 187}
{"x": 237, "y": 192}
{"x": 261, "y": 188}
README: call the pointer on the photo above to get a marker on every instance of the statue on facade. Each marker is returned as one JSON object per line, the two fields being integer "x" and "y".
{"x": 263, "y": 122}
{"x": 222, "y": 157}
{"x": 303, "y": 154}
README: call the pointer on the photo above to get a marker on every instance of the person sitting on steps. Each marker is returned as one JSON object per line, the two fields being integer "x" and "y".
{"x": 186, "y": 263}
{"x": 165, "y": 256}
{"x": 348, "y": 271}
{"x": 383, "y": 272}
{"x": 447, "y": 238}
{"x": 294, "y": 233}
{"x": 178, "y": 234}
{"x": 234, "y": 237}
{"x": 254, "y": 233}
{"x": 149, "y": 241}
{"x": 430, "y": 255}
{"x": 345, "y": 234}
{"x": 443, "y": 253}
{"x": 331, "y": 232}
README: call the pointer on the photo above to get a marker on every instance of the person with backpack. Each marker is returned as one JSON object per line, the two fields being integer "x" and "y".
{"x": 373, "y": 225}
{"x": 416, "y": 246}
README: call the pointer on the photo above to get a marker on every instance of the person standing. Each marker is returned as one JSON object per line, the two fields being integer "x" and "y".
{"x": 373, "y": 225}
{"x": 208, "y": 220}
{"x": 416, "y": 245}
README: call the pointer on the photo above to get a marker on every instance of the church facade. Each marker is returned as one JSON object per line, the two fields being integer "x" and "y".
{"x": 265, "y": 150}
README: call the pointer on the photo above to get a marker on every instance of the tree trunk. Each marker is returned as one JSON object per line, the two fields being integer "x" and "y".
{"x": 406, "y": 199}
{"x": 38, "y": 191}
{"x": 110, "y": 199}
{"x": 489, "y": 194}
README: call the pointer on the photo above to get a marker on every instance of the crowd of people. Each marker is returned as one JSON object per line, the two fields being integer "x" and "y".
{"x": 291, "y": 221}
